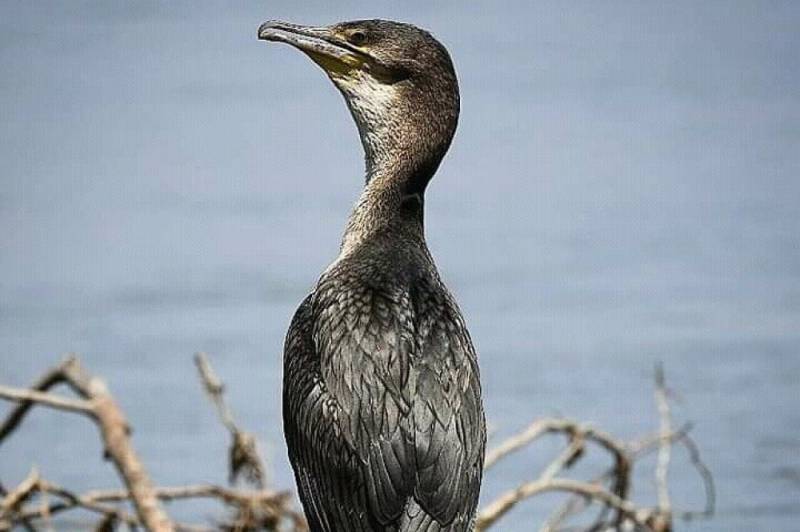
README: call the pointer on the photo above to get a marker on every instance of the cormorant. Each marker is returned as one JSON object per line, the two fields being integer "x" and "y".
{"x": 381, "y": 394}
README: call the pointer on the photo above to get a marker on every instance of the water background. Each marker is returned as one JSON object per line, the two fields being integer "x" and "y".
{"x": 623, "y": 189}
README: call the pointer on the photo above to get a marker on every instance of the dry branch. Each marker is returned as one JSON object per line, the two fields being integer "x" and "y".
{"x": 69, "y": 500}
{"x": 37, "y": 499}
{"x": 16, "y": 497}
{"x": 102, "y": 408}
{"x": 244, "y": 457}
{"x": 708, "y": 481}
{"x": 500, "y": 506}
{"x": 26, "y": 397}
{"x": 253, "y": 509}
{"x": 626, "y": 515}
{"x": 577, "y": 503}
{"x": 663, "y": 517}
{"x": 270, "y": 505}
{"x": 45, "y": 382}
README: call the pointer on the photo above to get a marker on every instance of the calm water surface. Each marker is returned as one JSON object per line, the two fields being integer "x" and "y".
{"x": 623, "y": 189}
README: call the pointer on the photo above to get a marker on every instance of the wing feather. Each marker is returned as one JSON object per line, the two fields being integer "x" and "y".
{"x": 382, "y": 407}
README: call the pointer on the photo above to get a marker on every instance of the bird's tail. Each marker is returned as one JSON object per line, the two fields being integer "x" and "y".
{"x": 416, "y": 519}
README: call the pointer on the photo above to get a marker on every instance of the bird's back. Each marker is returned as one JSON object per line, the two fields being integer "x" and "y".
{"x": 382, "y": 407}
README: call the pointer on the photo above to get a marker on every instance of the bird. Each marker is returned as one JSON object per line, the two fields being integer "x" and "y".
{"x": 382, "y": 408}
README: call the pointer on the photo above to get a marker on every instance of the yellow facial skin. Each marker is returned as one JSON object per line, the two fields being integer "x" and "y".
{"x": 341, "y": 66}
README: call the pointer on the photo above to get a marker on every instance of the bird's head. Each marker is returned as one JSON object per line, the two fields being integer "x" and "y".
{"x": 398, "y": 81}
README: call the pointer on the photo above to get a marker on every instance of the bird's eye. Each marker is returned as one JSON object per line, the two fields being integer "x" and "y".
{"x": 357, "y": 38}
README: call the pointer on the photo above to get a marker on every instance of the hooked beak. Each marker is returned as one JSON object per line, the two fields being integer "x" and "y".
{"x": 319, "y": 43}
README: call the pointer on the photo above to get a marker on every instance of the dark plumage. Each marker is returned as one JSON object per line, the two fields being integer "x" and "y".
{"x": 382, "y": 401}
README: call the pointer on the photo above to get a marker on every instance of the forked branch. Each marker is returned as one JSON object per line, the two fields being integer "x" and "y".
{"x": 611, "y": 489}
{"x": 36, "y": 499}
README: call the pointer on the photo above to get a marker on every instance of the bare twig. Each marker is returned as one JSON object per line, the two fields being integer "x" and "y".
{"x": 500, "y": 506}
{"x": 521, "y": 440}
{"x": 578, "y": 435}
{"x": 45, "y": 382}
{"x": 647, "y": 444}
{"x": 243, "y": 455}
{"x": 261, "y": 509}
{"x": 16, "y": 497}
{"x": 71, "y": 500}
{"x": 565, "y": 459}
{"x": 68, "y": 500}
{"x": 576, "y": 432}
{"x": 195, "y": 491}
{"x": 268, "y": 506}
{"x": 708, "y": 481}
{"x": 114, "y": 430}
{"x": 26, "y": 524}
{"x": 266, "y": 502}
{"x": 664, "y": 517}
{"x": 44, "y": 504}
{"x": 215, "y": 389}
{"x": 115, "y": 433}
{"x": 576, "y": 503}
{"x": 572, "y": 506}
{"x": 626, "y": 514}
{"x": 554, "y": 425}
{"x": 29, "y": 397}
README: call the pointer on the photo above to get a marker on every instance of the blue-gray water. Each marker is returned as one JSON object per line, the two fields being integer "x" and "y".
{"x": 623, "y": 189}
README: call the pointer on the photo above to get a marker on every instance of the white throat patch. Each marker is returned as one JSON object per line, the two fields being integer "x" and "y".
{"x": 373, "y": 105}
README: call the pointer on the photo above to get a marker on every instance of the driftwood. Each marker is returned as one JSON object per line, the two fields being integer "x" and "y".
{"x": 611, "y": 490}
{"x": 99, "y": 405}
{"x": 34, "y": 502}
{"x": 252, "y": 509}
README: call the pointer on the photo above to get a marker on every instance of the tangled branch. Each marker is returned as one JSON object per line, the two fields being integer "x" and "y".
{"x": 257, "y": 509}
{"x": 100, "y": 406}
{"x": 35, "y": 500}
{"x": 611, "y": 489}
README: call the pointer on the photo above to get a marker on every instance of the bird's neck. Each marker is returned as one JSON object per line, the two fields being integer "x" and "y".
{"x": 388, "y": 204}
{"x": 404, "y": 141}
